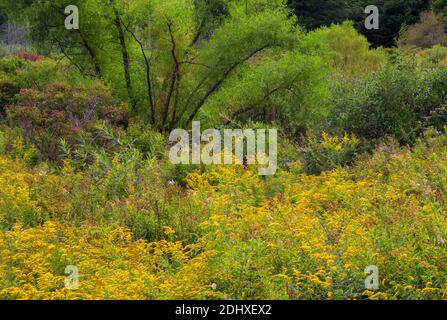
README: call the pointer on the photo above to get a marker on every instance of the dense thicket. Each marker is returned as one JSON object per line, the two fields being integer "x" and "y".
{"x": 174, "y": 60}
{"x": 394, "y": 15}
{"x": 85, "y": 177}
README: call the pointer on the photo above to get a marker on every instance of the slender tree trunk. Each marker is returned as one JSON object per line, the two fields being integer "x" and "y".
{"x": 174, "y": 79}
{"x": 147, "y": 62}
{"x": 149, "y": 88}
{"x": 93, "y": 55}
{"x": 125, "y": 57}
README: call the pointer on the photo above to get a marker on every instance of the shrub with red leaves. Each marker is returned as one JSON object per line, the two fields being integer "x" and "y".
{"x": 61, "y": 111}
{"x": 29, "y": 56}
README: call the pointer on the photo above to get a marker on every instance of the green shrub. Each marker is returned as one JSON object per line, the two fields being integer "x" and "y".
{"x": 431, "y": 99}
{"x": 8, "y": 89}
{"x": 12, "y": 65}
{"x": 326, "y": 152}
{"x": 178, "y": 173}
{"x": 16, "y": 73}
{"x": 12, "y": 143}
{"x": 9, "y": 85}
{"x": 3, "y": 141}
{"x": 344, "y": 48}
{"x": 146, "y": 139}
{"x": 128, "y": 188}
{"x": 400, "y": 101}
{"x": 436, "y": 55}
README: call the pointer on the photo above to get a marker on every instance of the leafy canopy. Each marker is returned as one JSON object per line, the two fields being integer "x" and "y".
{"x": 174, "y": 59}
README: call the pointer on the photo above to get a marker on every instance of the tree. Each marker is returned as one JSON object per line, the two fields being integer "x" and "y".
{"x": 439, "y": 6}
{"x": 394, "y": 15}
{"x": 346, "y": 49}
{"x": 430, "y": 31}
{"x": 3, "y": 17}
{"x": 317, "y": 13}
{"x": 176, "y": 59}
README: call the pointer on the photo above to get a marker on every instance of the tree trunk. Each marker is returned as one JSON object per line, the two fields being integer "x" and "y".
{"x": 125, "y": 56}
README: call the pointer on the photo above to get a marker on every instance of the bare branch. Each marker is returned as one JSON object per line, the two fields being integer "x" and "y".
{"x": 218, "y": 84}
{"x": 147, "y": 62}
{"x": 175, "y": 78}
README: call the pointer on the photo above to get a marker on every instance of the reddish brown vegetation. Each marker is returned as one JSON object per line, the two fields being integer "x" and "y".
{"x": 29, "y": 56}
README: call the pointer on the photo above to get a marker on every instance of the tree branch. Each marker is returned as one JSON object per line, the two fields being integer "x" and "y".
{"x": 218, "y": 84}
{"x": 148, "y": 74}
{"x": 174, "y": 78}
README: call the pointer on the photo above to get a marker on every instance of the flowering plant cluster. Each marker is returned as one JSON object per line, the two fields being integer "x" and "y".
{"x": 289, "y": 236}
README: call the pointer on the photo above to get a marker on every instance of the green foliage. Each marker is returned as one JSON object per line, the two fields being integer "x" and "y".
{"x": 344, "y": 48}
{"x": 288, "y": 90}
{"x": 439, "y": 6}
{"x": 3, "y": 141}
{"x": 61, "y": 111}
{"x": 13, "y": 143}
{"x": 289, "y": 152}
{"x": 9, "y": 84}
{"x": 394, "y": 15}
{"x": 326, "y": 153}
{"x": 147, "y": 140}
{"x": 436, "y": 55}
{"x": 8, "y": 90}
{"x": 128, "y": 189}
{"x": 81, "y": 167}
{"x": 3, "y": 16}
{"x": 17, "y": 73}
{"x": 401, "y": 100}
{"x": 178, "y": 173}
{"x": 12, "y": 65}
{"x": 173, "y": 69}
{"x": 314, "y": 14}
